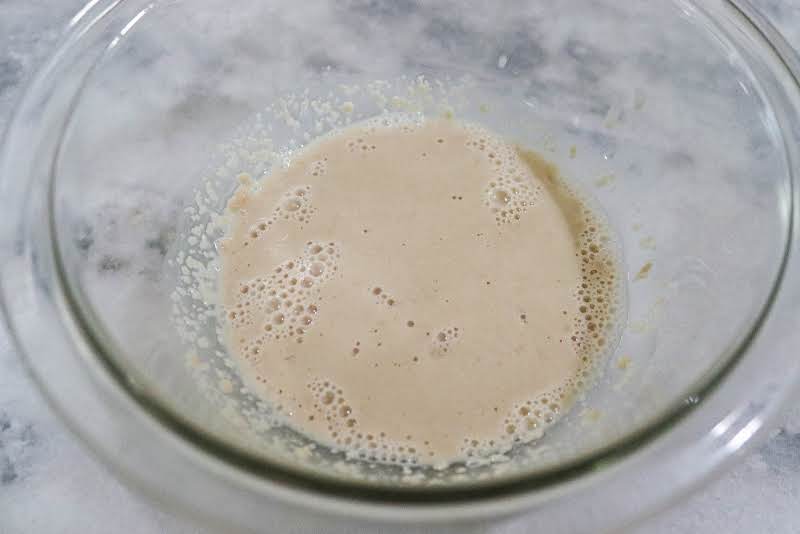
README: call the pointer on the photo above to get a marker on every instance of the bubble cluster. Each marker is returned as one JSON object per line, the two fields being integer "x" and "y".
{"x": 294, "y": 204}
{"x": 597, "y": 293}
{"x": 359, "y": 144}
{"x": 443, "y": 340}
{"x": 359, "y": 138}
{"x": 382, "y": 296}
{"x": 318, "y": 167}
{"x": 511, "y": 191}
{"x": 526, "y": 422}
{"x": 285, "y": 303}
{"x": 403, "y": 122}
{"x": 340, "y": 419}
{"x": 257, "y": 229}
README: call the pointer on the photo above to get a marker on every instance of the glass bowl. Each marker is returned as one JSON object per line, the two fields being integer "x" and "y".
{"x": 680, "y": 120}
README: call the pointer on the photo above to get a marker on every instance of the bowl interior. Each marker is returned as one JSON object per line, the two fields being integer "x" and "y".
{"x": 651, "y": 108}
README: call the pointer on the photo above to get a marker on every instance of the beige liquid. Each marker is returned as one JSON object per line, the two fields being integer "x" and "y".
{"x": 416, "y": 292}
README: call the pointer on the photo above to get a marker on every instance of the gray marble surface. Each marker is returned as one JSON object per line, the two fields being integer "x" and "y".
{"x": 49, "y": 482}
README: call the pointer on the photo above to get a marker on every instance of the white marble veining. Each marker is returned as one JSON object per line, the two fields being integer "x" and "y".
{"x": 50, "y": 483}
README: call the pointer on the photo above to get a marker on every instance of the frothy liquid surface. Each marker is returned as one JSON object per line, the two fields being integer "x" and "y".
{"x": 416, "y": 292}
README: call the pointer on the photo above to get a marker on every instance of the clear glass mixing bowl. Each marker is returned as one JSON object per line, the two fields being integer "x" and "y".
{"x": 680, "y": 119}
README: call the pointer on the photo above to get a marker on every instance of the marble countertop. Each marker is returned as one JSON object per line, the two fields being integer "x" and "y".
{"x": 49, "y": 482}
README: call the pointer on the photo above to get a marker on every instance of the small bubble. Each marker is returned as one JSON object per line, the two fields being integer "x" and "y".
{"x": 317, "y": 269}
{"x": 501, "y": 198}
{"x": 292, "y": 205}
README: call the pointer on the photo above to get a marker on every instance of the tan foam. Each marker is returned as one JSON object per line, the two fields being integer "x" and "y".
{"x": 416, "y": 291}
